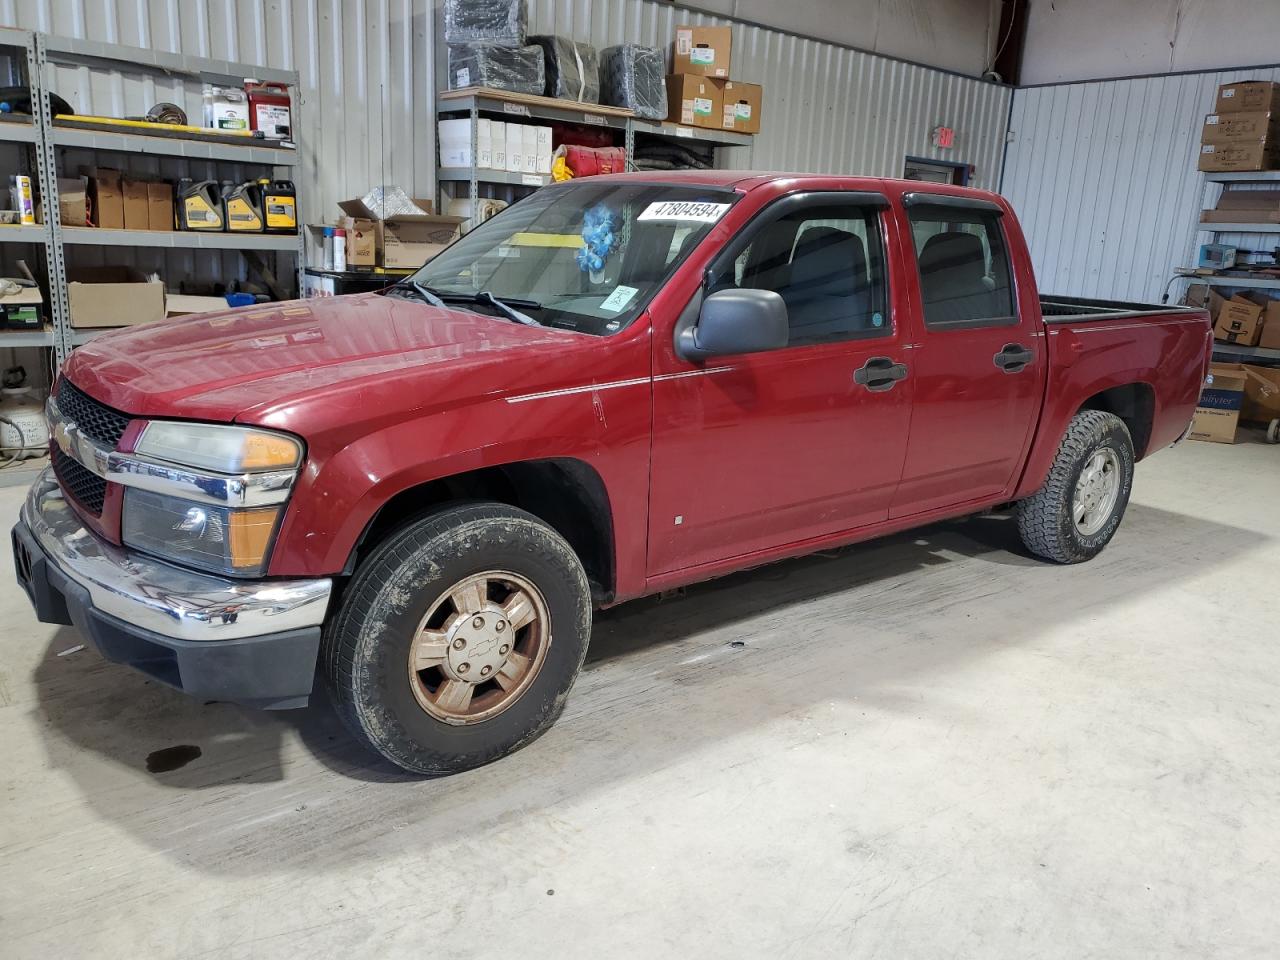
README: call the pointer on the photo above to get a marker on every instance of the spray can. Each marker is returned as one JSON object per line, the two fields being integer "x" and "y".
{"x": 279, "y": 205}
{"x": 327, "y": 260}
{"x": 340, "y": 250}
{"x": 21, "y": 198}
{"x": 199, "y": 205}
{"x": 244, "y": 208}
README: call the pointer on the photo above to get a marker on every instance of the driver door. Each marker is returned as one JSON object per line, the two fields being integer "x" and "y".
{"x": 757, "y": 451}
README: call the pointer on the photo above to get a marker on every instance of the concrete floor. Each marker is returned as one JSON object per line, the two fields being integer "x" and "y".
{"x": 932, "y": 746}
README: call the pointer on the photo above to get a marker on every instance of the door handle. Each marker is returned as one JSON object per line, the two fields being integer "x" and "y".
{"x": 880, "y": 374}
{"x": 1013, "y": 358}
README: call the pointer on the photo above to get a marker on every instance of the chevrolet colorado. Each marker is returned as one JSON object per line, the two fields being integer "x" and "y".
{"x": 617, "y": 386}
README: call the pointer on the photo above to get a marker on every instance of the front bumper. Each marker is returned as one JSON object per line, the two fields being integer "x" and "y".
{"x": 253, "y": 642}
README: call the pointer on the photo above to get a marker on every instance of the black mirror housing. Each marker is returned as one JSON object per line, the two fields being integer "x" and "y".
{"x": 736, "y": 321}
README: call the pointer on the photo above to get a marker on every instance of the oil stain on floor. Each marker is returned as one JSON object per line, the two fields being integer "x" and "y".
{"x": 171, "y": 758}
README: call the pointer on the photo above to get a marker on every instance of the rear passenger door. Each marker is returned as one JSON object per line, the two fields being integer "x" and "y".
{"x": 760, "y": 450}
{"x": 978, "y": 365}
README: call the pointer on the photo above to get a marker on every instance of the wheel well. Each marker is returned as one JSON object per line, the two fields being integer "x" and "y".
{"x": 1135, "y": 404}
{"x": 567, "y": 495}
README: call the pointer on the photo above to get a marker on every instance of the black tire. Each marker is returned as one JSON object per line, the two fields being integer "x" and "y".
{"x": 366, "y": 646}
{"x": 1045, "y": 519}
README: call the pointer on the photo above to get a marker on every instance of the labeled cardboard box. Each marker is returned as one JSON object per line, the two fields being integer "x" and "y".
{"x": 1248, "y": 95}
{"x": 693, "y": 101}
{"x": 1218, "y": 412}
{"x": 23, "y": 310}
{"x": 1249, "y": 125}
{"x": 702, "y": 51}
{"x": 106, "y": 198}
{"x": 1271, "y": 326}
{"x": 159, "y": 206}
{"x": 113, "y": 297}
{"x": 362, "y": 241}
{"x": 1245, "y": 206}
{"x": 1239, "y": 155}
{"x": 1261, "y": 393}
{"x": 1240, "y": 320}
{"x": 136, "y": 215}
{"x": 740, "y": 105}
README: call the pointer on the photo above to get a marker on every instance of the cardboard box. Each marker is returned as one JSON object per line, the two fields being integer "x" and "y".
{"x": 1248, "y": 95}
{"x": 106, "y": 198}
{"x": 412, "y": 241}
{"x": 515, "y": 147}
{"x": 1261, "y": 393}
{"x": 529, "y": 147}
{"x": 1271, "y": 326}
{"x": 23, "y": 310}
{"x": 159, "y": 205}
{"x": 484, "y": 143}
{"x": 693, "y": 101}
{"x": 113, "y": 297}
{"x": 1240, "y": 320}
{"x": 362, "y": 241}
{"x": 185, "y": 304}
{"x": 740, "y": 105}
{"x": 498, "y": 141}
{"x": 702, "y": 51}
{"x": 1249, "y": 125}
{"x": 1218, "y": 412}
{"x": 136, "y": 215}
{"x": 545, "y": 152}
{"x": 1239, "y": 155}
{"x": 1245, "y": 206}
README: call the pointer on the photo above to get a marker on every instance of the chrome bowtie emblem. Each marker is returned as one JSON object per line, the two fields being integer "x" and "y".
{"x": 62, "y": 435}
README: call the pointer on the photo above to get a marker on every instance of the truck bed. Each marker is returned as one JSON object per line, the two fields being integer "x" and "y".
{"x": 1056, "y": 309}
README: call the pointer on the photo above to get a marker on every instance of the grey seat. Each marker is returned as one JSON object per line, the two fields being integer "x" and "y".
{"x": 954, "y": 281}
{"x": 826, "y": 291}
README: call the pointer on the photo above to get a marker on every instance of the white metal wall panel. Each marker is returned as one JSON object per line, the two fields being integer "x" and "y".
{"x": 1103, "y": 177}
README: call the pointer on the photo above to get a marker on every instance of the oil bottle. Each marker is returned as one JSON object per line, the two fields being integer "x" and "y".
{"x": 243, "y": 202}
{"x": 280, "y": 205}
{"x": 199, "y": 205}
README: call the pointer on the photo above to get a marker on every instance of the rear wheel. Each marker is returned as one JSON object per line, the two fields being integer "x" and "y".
{"x": 459, "y": 638}
{"x": 1077, "y": 511}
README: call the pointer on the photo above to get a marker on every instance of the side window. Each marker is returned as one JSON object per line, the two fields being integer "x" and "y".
{"x": 827, "y": 262}
{"x": 965, "y": 279}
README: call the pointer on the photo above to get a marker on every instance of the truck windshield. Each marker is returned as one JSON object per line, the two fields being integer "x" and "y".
{"x": 584, "y": 256}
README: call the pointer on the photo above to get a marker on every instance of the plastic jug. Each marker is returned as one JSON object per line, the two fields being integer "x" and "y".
{"x": 200, "y": 205}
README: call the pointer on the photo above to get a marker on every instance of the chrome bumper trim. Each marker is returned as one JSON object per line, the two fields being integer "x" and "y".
{"x": 168, "y": 600}
{"x": 201, "y": 486}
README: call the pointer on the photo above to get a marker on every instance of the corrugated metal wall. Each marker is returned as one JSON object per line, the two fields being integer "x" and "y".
{"x": 1103, "y": 177}
{"x": 368, "y": 70}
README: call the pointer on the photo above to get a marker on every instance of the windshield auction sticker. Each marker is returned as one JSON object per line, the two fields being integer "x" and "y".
{"x": 684, "y": 211}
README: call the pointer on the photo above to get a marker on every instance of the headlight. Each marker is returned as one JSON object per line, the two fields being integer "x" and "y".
{"x": 161, "y": 518}
{"x": 216, "y": 539}
{"x": 213, "y": 447}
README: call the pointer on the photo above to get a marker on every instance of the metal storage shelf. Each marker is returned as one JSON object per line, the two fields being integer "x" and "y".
{"x": 84, "y": 336}
{"x": 1244, "y": 176}
{"x": 42, "y": 164}
{"x": 22, "y": 233}
{"x": 1239, "y": 227}
{"x": 665, "y": 128}
{"x": 463, "y": 175}
{"x": 486, "y": 100}
{"x": 1214, "y": 280}
{"x": 25, "y": 338}
{"x": 173, "y": 147}
{"x": 19, "y": 131}
{"x": 180, "y": 239}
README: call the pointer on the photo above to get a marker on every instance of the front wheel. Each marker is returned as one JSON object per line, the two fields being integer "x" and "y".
{"x": 1076, "y": 513}
{"x": 459, "y": 638}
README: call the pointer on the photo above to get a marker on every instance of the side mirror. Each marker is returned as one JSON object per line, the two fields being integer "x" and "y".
{"x": 736, "y": 321}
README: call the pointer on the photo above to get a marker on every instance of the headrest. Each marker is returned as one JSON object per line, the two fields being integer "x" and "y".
{"x": 827, "y": 262}
{"x": 952, "y": 264}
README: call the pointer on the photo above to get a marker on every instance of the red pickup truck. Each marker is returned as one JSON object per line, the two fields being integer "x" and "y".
{"x": 615, "y": 387}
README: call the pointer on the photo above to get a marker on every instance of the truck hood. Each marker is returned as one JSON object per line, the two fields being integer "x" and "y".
{"x": 252, "y": 363}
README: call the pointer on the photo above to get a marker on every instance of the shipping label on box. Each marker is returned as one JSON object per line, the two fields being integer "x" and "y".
{"x": 702, "y": 51}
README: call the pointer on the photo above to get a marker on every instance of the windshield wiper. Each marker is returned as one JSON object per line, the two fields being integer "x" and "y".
{"x": 505, "y": 307}
{"x": 422, "y": 290}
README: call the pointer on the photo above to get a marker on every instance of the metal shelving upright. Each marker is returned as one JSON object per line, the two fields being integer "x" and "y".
{"x": 46, "y": 138}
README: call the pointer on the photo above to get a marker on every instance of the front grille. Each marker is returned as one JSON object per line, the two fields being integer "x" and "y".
{"x": 82, "y": 485}
{"x": 96, "y": 421}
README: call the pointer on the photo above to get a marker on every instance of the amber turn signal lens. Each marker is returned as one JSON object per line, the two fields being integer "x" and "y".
{"x": 266, "y": 450}
{"x": 249, "y": 535}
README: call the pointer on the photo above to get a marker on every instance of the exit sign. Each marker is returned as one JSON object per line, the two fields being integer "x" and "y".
{"x": 944, "y": 137}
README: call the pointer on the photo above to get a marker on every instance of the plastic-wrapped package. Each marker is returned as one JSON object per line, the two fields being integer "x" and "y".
{"x": 503, "y": 22}
{"x": 518, "y": 69}
{"x": 573, "y": 68}
{"x": 634, "y": 76}
{"x": 388, "y": 201}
